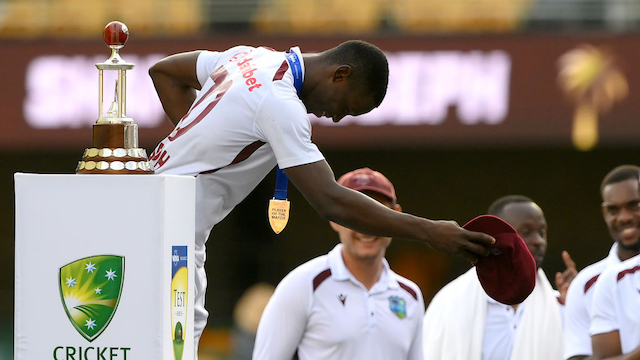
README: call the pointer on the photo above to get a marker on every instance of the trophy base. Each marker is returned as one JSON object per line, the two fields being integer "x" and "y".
{"x": 115, "y": 151}
{"x": 114, "y": 161}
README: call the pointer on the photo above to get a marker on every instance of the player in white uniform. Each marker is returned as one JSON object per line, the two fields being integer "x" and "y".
{"x": 619, "y": 191}
{"x": 577, "y": 340}
{"x": 615, "y": 312}
{"x": 347, "y": 304}
{"x": 251, "y": 113}
{"x": 463, "y": 323}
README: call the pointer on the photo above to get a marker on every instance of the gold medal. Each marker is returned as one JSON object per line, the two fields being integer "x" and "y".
{"x": 278, "y": 214}
{"x": 279, "y": 206}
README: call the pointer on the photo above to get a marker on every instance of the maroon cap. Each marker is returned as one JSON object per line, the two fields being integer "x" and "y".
{"x": 508, "y": 273}
{"x": 367, "y": 179}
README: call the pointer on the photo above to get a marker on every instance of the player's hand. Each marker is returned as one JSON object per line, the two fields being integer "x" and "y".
{"x": 449, "y": 238}
{"x": 563, "y": 279}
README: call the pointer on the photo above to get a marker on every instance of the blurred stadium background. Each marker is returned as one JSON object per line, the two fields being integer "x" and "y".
{"x": 478, "y": 107}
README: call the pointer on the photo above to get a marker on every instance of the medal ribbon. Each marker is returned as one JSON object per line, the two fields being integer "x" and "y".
{"x": 282, "y": 181}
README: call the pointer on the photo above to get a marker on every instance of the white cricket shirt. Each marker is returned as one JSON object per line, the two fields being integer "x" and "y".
{"x": 577, "y": 340}
{"x": 319, "y": 311}
{"x": 246, "y": 118}
{"x": 616, "y": 303}
{"x": 500, "y": 326}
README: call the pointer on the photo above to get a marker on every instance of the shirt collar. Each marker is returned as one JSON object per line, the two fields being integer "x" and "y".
{"x": 340, "y": 272}
{"x": 613, "y": 254}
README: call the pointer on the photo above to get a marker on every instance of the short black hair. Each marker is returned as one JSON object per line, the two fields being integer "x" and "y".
{"x": 368, "y": 64}
{"x": 498, "y": 206}
{"x": 620, "y": 173}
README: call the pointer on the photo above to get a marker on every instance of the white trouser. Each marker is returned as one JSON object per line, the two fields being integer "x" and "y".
{"x": 201, "y": 314}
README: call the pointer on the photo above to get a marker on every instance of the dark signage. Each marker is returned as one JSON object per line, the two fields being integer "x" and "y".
{"x": 494, "y": 91}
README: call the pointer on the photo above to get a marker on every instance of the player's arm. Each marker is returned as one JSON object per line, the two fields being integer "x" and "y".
{"x": 416, "y": 351}
{"x": 176, "y": 82}
{"x": 359, "y": 212}
{"x": 607, "y": 347}
{"x": 605, "y": 322}
{"x": 577, "y": 339}
{"x": 283, "y": 321}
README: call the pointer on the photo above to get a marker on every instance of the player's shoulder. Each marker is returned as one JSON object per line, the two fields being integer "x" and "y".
{"x": 460, "y": 284}
{"x": 611, "y": 276}
{"x": 628, "y": 267}
{"x": 236, "y": 51}
{"x": 407, "y": 285}
{"x": 282, "y": 102}
{"x": 305, "y": 273}
{"x": 631, "y": 262}
{"x": 314, "y": 265}
{"x": 248, "y": 56}
{"x": 240, "y": 50}
{"x": 588, "y": 276}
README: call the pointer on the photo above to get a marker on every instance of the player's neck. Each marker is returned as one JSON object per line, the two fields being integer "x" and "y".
{"x": 312, "y": 73}
{"x": 367, "y": 272}
{"x": 624, "y": 254}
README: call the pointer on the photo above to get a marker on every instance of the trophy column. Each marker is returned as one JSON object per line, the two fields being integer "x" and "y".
{"x": 115, "y": 136}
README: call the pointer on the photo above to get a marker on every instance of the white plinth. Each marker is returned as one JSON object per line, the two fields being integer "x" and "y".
{"x": 69, "y": 229}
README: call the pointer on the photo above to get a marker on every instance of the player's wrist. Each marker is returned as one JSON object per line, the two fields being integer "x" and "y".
{"x": 428, "y": 231}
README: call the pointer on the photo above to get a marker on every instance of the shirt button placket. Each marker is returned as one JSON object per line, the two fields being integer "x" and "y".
{"x": 371, "y": 311}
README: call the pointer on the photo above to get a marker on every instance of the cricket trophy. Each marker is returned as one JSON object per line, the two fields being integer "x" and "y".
{"x": 115, "y": 136}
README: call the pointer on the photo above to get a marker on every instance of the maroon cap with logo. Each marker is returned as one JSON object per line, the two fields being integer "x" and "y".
{"x": 367, "y": 179}
{"x": 508, "y": 273}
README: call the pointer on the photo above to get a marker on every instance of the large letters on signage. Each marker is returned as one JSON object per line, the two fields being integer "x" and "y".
{"x": 424, "y": 85}
{"x": 62, "y": 92}
{"x": 422, "y": 88}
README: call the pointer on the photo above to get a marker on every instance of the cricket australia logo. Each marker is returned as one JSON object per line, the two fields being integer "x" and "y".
{"x": 398, "y": 306}
{"x": 90, "y": 290}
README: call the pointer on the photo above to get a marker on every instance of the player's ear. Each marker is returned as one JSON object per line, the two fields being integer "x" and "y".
{"x": 341, "y": 73}
{"x": 334, "y": 226}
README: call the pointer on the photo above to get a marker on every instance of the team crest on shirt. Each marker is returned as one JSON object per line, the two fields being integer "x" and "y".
{"x": 398, "y": 306}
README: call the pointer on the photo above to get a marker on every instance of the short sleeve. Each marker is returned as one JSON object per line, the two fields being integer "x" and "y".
{"x": 207, "y": 62}
{"x": 416, "y": 351}
{"x": 577, "y": 340}
{"x": 284, "y": 319}
{"x": 604, "y": 316}
{"x": 287, "y": 128}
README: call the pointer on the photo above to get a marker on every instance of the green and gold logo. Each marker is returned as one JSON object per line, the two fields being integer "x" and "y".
{"x": 90, "y": 290}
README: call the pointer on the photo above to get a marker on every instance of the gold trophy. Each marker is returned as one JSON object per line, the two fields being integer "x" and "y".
{"x": 115, "y": 136}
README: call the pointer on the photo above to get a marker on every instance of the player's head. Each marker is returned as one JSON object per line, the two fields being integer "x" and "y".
{"x": 354, "y": 81}
{"x": 369, "y": 66}
{"x": 378, "y": 187}
{"x": 621, "y": 205}
{"x": 527, "y": 218}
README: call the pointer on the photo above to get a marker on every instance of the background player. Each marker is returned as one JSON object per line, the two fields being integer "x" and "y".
{"x": 615, "y": 319}
{"x": 621, "y": 213}
{"x": 347, "y": 304}
{"x": 463, "y": 323}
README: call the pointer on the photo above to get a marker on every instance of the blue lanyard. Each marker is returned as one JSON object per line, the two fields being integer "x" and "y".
{"x": 282, "y": 181}
{"x": 296, "y": 69}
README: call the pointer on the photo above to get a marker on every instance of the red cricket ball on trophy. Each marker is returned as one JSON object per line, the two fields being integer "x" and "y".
{"x": 116, "y": 34}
